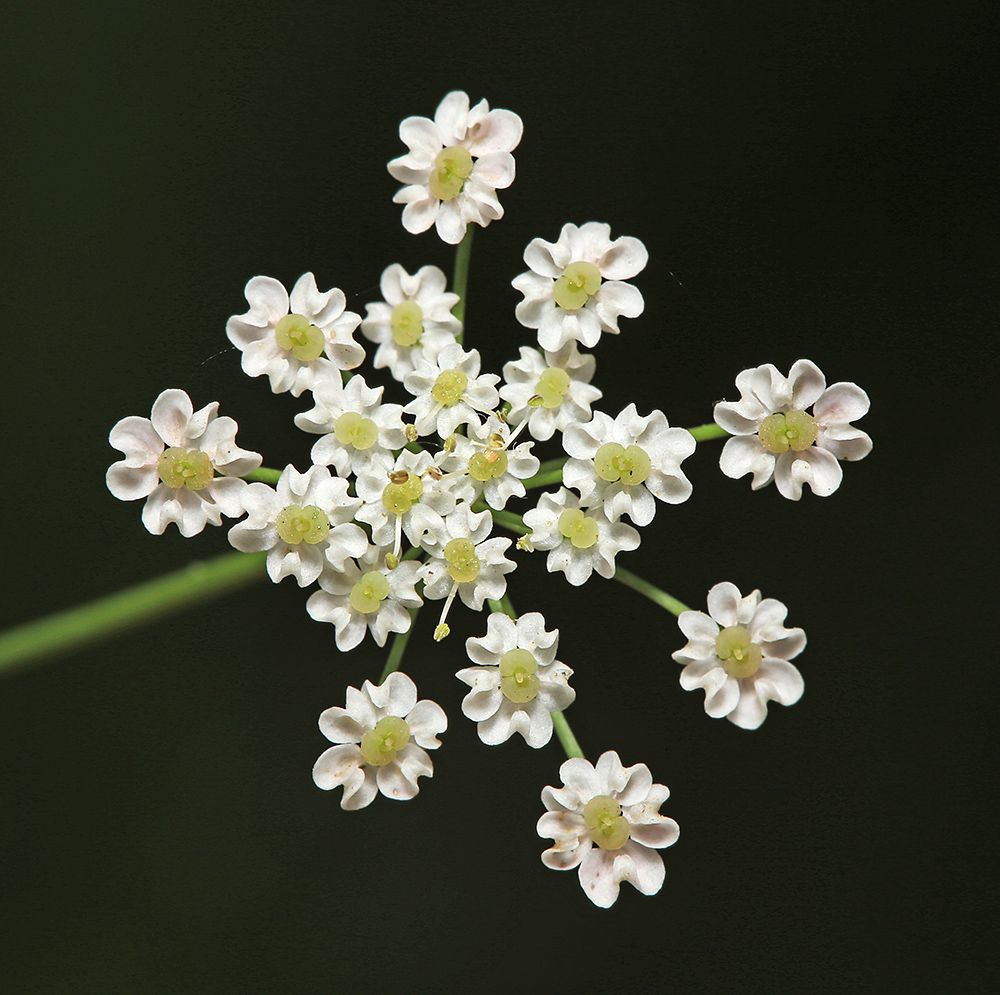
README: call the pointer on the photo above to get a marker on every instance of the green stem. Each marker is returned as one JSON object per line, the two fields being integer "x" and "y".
{"x": 550, "y": 472}
{"x": 460, "y": 280}
{"x": 399, "y": 641}
{"x": 128, "y": 609}
{"x": 702, "y": 433}
{"x": 265, "y": 475}
{"x": 651, "y": 591}
{"x": 509, "y": 521}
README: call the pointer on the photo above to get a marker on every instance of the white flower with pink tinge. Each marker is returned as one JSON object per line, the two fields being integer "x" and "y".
{"x": 776, "y": 438}
{"x": 171, "y": 459}
{"x": 606, "y": 821}
{"x": 381, "y": 738}
{"x": 739, "y": 655}
{"x": 455, "y": 166}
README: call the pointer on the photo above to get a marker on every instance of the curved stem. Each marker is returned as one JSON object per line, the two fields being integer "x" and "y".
{"x": 508, "y": 520}
{"x": 265, "y": 475}
{"x": 399, "y": 641}
{"x": 550, "y": 472}
{"x": 460, "y": 280}
{"x": 703, "y": 433}
{"x": 651, "y": 591}
{"x": 128, "y": 609}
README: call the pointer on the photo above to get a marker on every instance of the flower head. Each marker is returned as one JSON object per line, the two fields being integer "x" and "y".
{"x": 739, "y": 654}
{"x": 518, "y": 682}
{"x": 776, "y": 438}
{"x": 574, "y": 287}
{"x": 455, "y": 165}
{"x": 605, "y": 820}
{"x": 171, "y": 459}
{"x": 379, "y": 736}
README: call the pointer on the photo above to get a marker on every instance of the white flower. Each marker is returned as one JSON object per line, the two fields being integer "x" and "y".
{"x": 579, "y": 540}
{"x": 518, "y": 682}
{"x": 414, "y": 319}
{"x": 304, "y": 523}
{"x": 379, "y": 735}
{"x": 739, "y": 654}
{"x": 366, "y": 595}
{"x": 606, "y": 821}
{"x": 455, "y": 165}
{"x": 575, "y": 288}
{"x": 561, "y": 379}
{"x": 356, "y": 423}
{"x": 449, "y": 391}
{"x": 171, "y": 459}
{"x": 625, "y": 462}
{"x": 290, "y": 347}
{"x": 775, "y": 437}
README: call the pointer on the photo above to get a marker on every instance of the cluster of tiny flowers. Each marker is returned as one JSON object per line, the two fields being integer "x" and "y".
{"x": 403, "y": 499}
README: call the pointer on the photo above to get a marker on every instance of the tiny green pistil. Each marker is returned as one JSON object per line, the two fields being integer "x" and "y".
{"x": 298, "y": 336}
{"x": 581, "y": 531}
{"x": 578, "y": 283}
{"x": 552, "y": 386}
{"x": 449, "y": 386}
{"x": 518, "y": 676}
{"x": 353, "y": 430}
{"x": 407, "y": 323}
{"x": 380, "y": 745}
{"x": 795, "y": 430}
{"x": 369, "y": 592}
{"x": 296, "y": 524}
{"x": 463, "y": 564}
{"x": 452, "y": 167}
{"x": 629, "y": 464}
{"x": 190, "y": 468}
{"x": 485, "y": 466}
{"x": 739, "y": 654}
{"x": 608, "y": 828}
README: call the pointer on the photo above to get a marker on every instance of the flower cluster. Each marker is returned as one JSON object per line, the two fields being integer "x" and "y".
{"x": 404, "y": 498}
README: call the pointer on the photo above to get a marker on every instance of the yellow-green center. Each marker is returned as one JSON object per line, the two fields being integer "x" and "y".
{"x": 578, "y": 283}
{"x": 552, "y": 386}
{"x": 399, "y": 496}
{"x": 518, "y": 676}
{"x": 739, "y": 655}
{"x": 190, "y": 468}
{"x": 485, "y": 466}
{"x": 449, "y": 386}
{"x": 581, "y": 531}
{"x": 407, "y": 323}
{"x": 795, "y": 430}
{"x": 296, "y": 524}
{"x": 452, "y": 167}
{"x": 303, "y": 340}
{"x": 353, "y": 430}
{"x": 463, "y": 564}
{"x": 369, "y": 592}
{"x": 380, "y": 745}
{"x": 629, "y": 464}
{"x": 608, "y": 828}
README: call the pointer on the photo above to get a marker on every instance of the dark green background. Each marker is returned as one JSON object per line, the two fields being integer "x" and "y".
{"x": 811, "y": 180}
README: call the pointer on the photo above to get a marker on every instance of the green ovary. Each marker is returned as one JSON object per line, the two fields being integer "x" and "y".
{"x": 190, "y": 468}
{"x": 296, "y": 524}
{"x": 353, "y": 430}
{"x": 578, "y": 283}
{"x": 629, "y": 464}
{"x": 452, "y": 167}
{"x": 518, "y": 676}
{"x": 796, "y": 430}
{"x": 463, "y": 564}
{"x": 380, "y": 745}
{"x": 369, "y": 593}
{"x": 407, "y": 323}
{"x": 739, "y": 655}
{"x": 608, "y": 828}
{"x": 397, "y": 499}
{"x": 486, "y": 466}
{"x": 578, "y": 528}
{"x": 303, "y": 340}
{"x": 552, "y": 386}
{"x": 449, "y": 386}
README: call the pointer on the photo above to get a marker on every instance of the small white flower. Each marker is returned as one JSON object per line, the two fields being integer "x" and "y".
{"x": 574, "y": 289}
{"x": 776, "y": 438}
{"x": 354, "y": 423}
{"x": 379, "y": 735}
{"x": 561, "y": 379}
{"x": 579, "y": 540}
{"x": 304, "y": 523}
{"x": 455, "y": 165}
{"x": 449, "y": 391}
{"x": 606, "y": 821}
{"x": 739, "y": 654}
{"x": 414, "y": 318}
{"x": 290, "y": 347}
{"x": 518, "y": 682}
{"x": 171, "y": 459}
{"x": 623, "y": 463}
{"x": 366, "y": 595}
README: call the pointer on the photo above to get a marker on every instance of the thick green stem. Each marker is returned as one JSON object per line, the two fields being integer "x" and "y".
{"x": 702, "y": 433}
{"x": 651, "y": 591}
{"x": 265, "y": 475}
{"x": 460, "y": 280}
{"x": 108, "y": 616}
{"x": 399, "y": 641}
{"x": 507, "y": 520}
{"x": 550, "y": 472}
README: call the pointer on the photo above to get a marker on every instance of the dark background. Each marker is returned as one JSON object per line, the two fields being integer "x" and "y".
{"x": 811, "y": 180}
